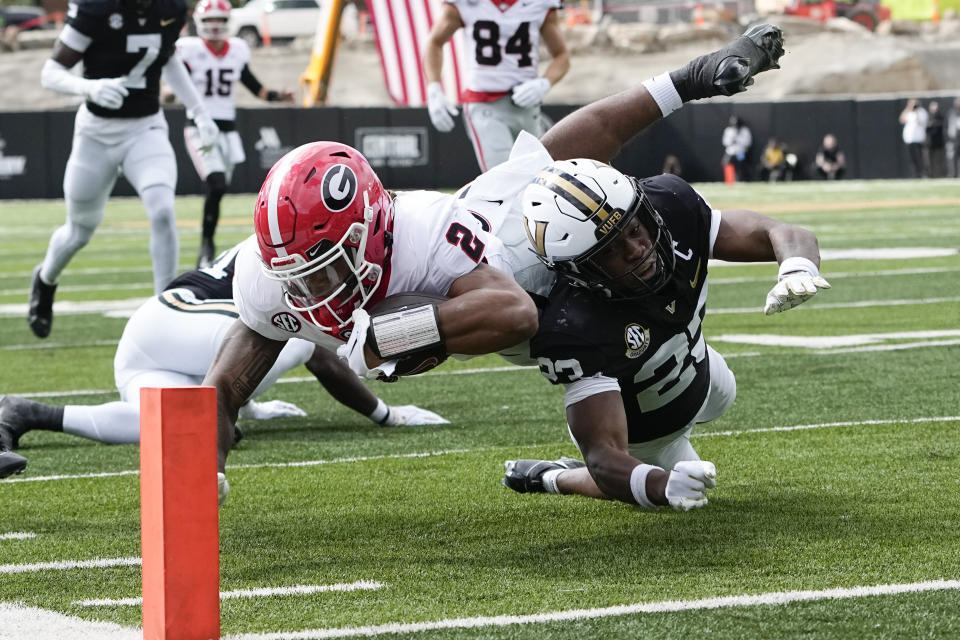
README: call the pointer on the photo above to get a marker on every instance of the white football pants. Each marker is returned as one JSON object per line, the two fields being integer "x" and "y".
{"x": 102, "y": 147}
{"x": 167, "y": 347}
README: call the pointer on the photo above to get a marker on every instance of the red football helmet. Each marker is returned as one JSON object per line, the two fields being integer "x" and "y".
{"x": 211, "y": 18}
{"x": 324, "y": 225}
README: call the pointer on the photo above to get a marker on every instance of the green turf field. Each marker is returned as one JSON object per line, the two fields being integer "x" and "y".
{"x": 835, "y": 516}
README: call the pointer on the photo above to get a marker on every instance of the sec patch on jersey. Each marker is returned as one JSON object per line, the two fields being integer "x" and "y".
{"x": 419, "y": 359}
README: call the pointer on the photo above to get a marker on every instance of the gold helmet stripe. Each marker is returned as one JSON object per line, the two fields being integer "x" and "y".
{"x": 575, "y": 192}
{"x": 538, "y": 242}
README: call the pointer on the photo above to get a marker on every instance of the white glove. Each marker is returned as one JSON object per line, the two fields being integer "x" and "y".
{"x": 412, "y": 416}
{"x": 107, "y": 92}
{"x": 352, "y": 351}
{"x": 798, "y": 281}
{"x": 688, "y": 483}
{"x": 440, "y": 110}
{"x": 270, "y": 409}
{"x": 223, "y": 489}
{"x": 530, "y": 93}
{"x": 207, "y": 130}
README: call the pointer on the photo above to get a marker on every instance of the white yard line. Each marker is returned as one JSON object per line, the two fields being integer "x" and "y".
{"x": 837, "y": 275}
{"x": 668, "y": 606}
{"x": 64, "y": 565}
{"x": 20, "y": 622}
{"x": 297, "y": 590}
{"x": 860, "y": 304}
{"x": 17, "y": 535}
{"x": 427, "y": 454}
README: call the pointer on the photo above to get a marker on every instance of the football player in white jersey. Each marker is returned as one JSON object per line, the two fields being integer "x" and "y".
{"x": 331, "y": 242}
{"x": 504, "y": 87}
{"x": 216, "y": 63}
{"x": 124, "y": 46}
{"x": 170, "y": 341}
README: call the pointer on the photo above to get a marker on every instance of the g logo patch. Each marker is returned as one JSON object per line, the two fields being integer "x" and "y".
{"x": 339, "y": 187}
{"x": 637, "y": 338}
{"x": 286, "y": 321}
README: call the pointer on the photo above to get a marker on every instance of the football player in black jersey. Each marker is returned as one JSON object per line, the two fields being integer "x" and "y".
{"x": 170, "y": 341}
{"x": 621, "y": 329}
{"x": 124, "y": 46}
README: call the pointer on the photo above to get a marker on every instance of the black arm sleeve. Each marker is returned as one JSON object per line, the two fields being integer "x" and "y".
{"x": 250, "y": 81}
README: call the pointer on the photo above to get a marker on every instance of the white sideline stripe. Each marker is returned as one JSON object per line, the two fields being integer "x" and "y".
{"x": 17, "y": 535}
{"x": 63, "y": 565}
{"x": 427, "y": 454}
{"x": 297, "y": 590}
{"x": 20, "y": 622}
{"x": 844, "y": 274}
{"x": 843, "y": 305}
{"x": 668, "y": 606}
{"x": 826, "y": 342}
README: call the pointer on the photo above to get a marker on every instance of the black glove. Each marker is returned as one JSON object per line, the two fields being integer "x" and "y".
{"x": 731, "y": 69}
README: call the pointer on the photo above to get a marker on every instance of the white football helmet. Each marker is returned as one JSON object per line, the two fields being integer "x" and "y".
{"x": 211, "y": 18}
{"x": 574, "y": 209}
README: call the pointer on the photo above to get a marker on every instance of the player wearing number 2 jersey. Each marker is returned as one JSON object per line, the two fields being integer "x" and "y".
{"x": 124, "y": 46}
{"x": 504, "y": 88}
{"x": 622, "y": 328}
{"x": 216, "y": 64}
{"x": 330, "y": 242}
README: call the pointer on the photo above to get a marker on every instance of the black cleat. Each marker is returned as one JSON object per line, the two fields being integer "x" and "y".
{"x": 40, "y": 311}
{"x": 11, "y": 463}
{"x": 13, "y": 419}
{"x": 526, "y": 476}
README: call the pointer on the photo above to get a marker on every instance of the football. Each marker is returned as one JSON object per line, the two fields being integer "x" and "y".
{"x": 425, "y": 359}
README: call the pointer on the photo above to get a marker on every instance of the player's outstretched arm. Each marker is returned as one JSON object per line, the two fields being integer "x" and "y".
{"x": 601, "y": 128}
{"x": 244, "y": 359}
{"x": 347, "y": 389}
{"x": 599, "y": 425}
{"x": 748, "y": 236}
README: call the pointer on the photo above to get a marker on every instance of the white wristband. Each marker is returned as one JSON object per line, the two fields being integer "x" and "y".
{"x": 797, "y": 263}
{"x": 638, "y": 484}
{"x": 664, "y": 93}
{"x": 398, "y": 333}
{"x": 380, "y": 413}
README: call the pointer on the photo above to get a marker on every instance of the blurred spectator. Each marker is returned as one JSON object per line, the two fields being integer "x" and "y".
{"x": 830, "y": 161}
{"x": 953, "y": 142}
{"x": 936, "y": 141}
{"x": 737, "y": 140}
{"x": 773, "y": 162}
{"x": 671, "y": 164}
{"x": 914, "y": 121}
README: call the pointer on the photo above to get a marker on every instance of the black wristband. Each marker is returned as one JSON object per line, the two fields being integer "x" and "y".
{"x": 273, "y": 96}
